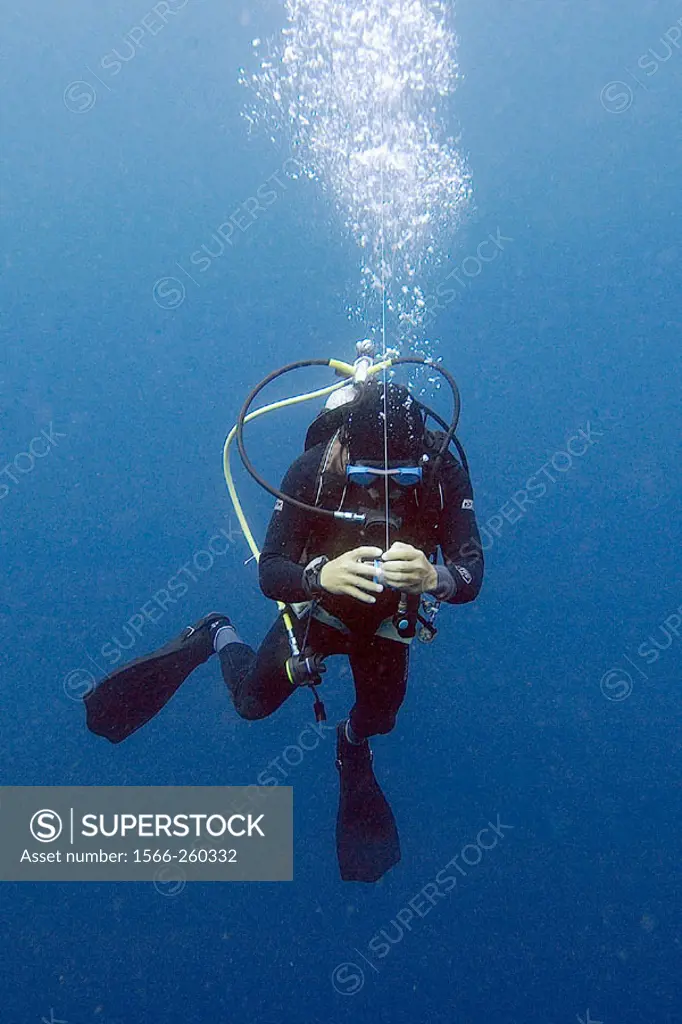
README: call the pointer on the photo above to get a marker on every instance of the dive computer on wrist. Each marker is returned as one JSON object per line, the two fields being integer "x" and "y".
{"x": 311, "y": 576}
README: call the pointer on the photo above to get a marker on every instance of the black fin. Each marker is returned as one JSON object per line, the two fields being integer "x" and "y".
{"x": 128, "y": 698}
{"x": 367, "y": 841}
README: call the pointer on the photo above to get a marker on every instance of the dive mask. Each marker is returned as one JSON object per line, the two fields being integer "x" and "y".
{"x": 366, "y": 474}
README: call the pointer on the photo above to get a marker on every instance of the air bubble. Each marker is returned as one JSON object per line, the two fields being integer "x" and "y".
{"x": 363, "y": 89}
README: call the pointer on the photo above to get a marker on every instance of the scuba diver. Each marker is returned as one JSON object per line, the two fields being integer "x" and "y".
{"x": 351, "y": 556}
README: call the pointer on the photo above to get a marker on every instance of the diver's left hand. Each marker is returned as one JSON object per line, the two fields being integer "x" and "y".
{"x": 408, "y": 569}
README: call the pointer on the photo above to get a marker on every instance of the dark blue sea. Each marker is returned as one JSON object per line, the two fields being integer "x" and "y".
{"x": 550, "y": 707}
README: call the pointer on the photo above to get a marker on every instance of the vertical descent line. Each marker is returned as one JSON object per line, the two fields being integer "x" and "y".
{"x": 383, "y": 327}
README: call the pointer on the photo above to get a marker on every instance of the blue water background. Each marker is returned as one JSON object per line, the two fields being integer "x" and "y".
{"x": 578, "y": 321}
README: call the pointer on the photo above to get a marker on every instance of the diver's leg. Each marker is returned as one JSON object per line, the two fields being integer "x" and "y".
{"x": 258, "y": 681}
{"x": 367, "y": 841}
{"x": 379, "y": 668}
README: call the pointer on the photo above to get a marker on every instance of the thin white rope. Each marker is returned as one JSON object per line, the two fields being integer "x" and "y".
{"x": 383, "y": 330}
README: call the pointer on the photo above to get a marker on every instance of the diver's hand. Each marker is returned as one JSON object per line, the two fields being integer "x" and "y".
{"x": 408, "y": 569}
{"x": 350, "y": 576}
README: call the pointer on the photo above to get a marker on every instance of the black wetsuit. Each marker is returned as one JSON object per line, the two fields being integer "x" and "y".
{"x": 444, "y": 519}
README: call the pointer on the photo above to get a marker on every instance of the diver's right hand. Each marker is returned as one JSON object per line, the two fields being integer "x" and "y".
{"x": 350, "y": 576}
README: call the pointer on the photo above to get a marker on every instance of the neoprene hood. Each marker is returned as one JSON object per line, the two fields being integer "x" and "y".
{"x": 365, "y": 422}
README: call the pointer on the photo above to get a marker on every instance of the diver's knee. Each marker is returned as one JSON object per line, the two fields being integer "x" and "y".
{"x": 251, "y": 712}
